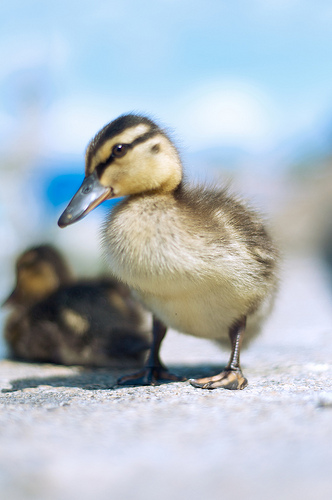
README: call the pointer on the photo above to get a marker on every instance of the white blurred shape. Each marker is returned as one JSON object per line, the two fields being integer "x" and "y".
{"x": 228, "y": 113}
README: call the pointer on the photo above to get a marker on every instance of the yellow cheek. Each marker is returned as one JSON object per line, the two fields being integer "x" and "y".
{"x": 110, "y": 176}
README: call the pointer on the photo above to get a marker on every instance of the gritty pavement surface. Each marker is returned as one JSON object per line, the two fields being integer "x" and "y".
{"x": 68, "y": 433}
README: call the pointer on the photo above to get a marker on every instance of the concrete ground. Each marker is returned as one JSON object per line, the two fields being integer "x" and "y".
{"x": 68, "y": 434}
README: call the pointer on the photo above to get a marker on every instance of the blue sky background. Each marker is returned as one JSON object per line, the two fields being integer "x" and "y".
{"x": 251, "y": 74}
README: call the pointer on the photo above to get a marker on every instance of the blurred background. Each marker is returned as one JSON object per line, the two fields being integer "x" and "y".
{"x": 245, "y": 89}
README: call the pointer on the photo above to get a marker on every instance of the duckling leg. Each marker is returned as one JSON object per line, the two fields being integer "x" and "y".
{"x": 154, "y": 372}
{"x": 231, "y": 377}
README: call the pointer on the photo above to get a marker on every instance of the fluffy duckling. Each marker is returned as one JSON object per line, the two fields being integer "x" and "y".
{"x": 57, "y": 319}
{"x": 200, "y": 259}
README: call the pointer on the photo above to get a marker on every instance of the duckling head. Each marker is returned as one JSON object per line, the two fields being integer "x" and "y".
{"x": 39, "y": 271}
{"x": 129, "y": 156}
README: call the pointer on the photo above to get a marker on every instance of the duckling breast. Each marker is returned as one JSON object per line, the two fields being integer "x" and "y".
{"x": 197, "y": 274}
{"x": 202, "y": 315}
{"x": 153, "y": 241}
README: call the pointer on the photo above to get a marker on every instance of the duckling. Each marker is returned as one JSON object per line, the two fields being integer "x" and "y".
{"x": 39, "y": 272}
{"x": 197, "y": 256}
{"x": 57, "y": 319}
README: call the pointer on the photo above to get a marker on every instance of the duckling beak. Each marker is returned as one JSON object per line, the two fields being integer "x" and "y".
{"x": 89, "y": 196}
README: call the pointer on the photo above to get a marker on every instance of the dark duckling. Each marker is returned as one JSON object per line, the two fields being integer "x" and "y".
{"x": 58, "y": 319}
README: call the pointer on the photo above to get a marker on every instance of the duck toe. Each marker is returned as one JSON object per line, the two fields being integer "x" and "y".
{"x": 228, "y": 379}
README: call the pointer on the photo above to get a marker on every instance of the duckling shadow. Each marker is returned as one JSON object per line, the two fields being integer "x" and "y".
{"x": 89, "y": 380}
{"x": 196, "y": 371}
{"x": 101, "y": 379}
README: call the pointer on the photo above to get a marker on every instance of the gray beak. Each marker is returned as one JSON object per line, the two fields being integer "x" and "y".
{"x": 89, "y": 196}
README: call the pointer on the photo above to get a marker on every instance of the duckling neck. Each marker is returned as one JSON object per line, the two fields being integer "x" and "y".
{"x": 169, "y": 179}
{"x": 171, "y": 185}
{"x": 164, "y": 190}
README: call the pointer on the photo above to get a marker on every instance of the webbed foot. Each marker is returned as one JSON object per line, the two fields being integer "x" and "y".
{"x": 150, "y": 376}
{"x": 228, "y": 379}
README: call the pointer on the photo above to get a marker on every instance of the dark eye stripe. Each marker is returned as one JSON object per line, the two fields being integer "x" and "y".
{"x": 143, "y": 138}
{"x": 101, "y": 167}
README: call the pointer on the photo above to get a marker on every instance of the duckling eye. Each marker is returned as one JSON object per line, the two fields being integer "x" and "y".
{"x": 119, "y": 150}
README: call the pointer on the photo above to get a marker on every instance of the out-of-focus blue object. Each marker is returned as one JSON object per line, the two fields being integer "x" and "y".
{"x": 59, "y": 185}
{"x": 61, "y": 188}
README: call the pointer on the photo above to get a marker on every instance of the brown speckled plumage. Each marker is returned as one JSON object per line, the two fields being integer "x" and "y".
{"x": 92, "y": 323}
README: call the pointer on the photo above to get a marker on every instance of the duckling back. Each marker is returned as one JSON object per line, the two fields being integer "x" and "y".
{"x": 90, "y": 323}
